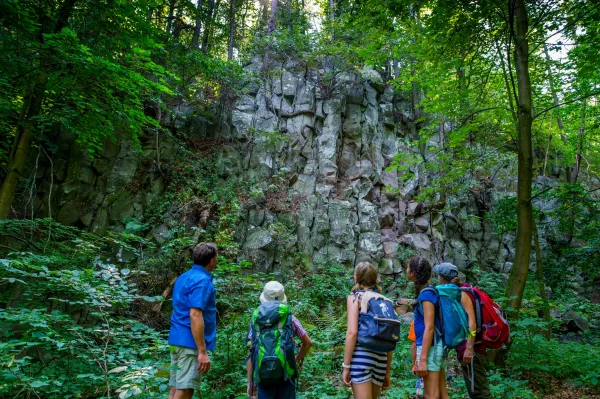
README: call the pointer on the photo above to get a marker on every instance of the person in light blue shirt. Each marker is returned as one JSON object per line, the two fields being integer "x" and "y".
{"x": 193, "y": 323}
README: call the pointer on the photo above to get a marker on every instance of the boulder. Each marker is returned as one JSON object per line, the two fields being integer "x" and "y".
{"x": 414, "y": 208}
{"x": 71, "y": 212}
{"x": 122, "y": 207}
{"x": 362, "y": 169}
{"x": 258, "y": 239}
{"x": 422, "y": 224}
{"x": 418, "y": 241}
{"x": 390, "y": 249}
{"x": 373, "y": 77}
{"x": 574, "y": 322}
{"x": 304, "y": 185}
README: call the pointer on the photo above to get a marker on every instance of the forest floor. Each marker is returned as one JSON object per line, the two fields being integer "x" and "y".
{"x": 560, "y": 390}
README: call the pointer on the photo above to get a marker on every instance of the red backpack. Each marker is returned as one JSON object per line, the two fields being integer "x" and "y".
{"x": 492, "y": 329}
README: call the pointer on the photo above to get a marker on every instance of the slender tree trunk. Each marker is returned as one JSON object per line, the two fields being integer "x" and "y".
{"x": 559, "y": 121}
{"x": 547, "y": 148}
{"x": 197, "y": 26}
{"x": 580, "y": 133}
{"x": 332, "y": 10}
{"x": 170, "y": 16}
{"x": 32, "y": 105}
{"x": 212, "y": 13}
{"x": 511, "y": 101}
{"x": 540, "y": 278}
{"x": 177, "y": 25}
{"x": 231, "y": 29}
{"x": 272, "y": 17}
{"x": 518, "y": 274}
{"x": 265, "y": 12}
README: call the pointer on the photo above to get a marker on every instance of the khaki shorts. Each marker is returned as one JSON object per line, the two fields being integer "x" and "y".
{"x": 184, "y": 374}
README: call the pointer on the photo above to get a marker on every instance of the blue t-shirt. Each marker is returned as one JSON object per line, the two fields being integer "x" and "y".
{"x": 193, "y": 289}
{"x": 419, "y": 317}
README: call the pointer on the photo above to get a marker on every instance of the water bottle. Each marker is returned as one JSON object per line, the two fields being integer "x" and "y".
{"x": 420, "y": 389}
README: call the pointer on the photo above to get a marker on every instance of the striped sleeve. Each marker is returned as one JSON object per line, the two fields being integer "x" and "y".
{"x": 299, "y": 331}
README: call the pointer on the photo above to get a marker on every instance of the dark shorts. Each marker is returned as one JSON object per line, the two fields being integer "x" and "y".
{"x": 287, "y": 390}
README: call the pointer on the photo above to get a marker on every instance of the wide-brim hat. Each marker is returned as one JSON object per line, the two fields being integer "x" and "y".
{"x": 273, "y": 291}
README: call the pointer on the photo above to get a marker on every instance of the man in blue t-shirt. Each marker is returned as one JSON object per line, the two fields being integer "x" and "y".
{"x": 193, "y": 323}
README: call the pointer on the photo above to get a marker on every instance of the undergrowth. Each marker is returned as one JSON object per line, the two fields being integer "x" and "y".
{"x": 76, "y": 311}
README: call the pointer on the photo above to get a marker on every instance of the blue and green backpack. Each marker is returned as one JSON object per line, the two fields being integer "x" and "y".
{"x": 272, "y": 352}
{"x": 453, "y": 318}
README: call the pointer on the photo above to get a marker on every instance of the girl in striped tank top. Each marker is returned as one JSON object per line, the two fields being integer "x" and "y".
{"x": 364, "y": 370}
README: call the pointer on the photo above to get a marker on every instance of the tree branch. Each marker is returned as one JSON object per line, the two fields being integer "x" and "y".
{"x": 540, "y": 193}
{"x": 565, "y": 103}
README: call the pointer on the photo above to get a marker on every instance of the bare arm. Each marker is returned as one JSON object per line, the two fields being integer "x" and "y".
{"x": 467, "y": 303}
{"x": 197, "y": 326}
{"x": 250, "y": 388}
{"x": 429, "y": 316}
{"x": 352, "y": 329}
{"x": 306, "y": 344}
{"x": 351, "y": 335}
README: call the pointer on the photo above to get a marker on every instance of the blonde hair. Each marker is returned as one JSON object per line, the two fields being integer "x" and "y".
{"x": 366, "y": 277}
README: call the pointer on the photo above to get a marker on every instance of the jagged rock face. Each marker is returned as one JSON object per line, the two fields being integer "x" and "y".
{"x": 338, "y": 144}
{"x": 95, "y": 193}
{"x": 333, "y": 144}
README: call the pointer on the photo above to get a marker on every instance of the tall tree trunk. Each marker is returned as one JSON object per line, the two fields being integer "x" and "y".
{"x": 231, "y": 29}
{"x": 540, "y": 278}
{"x": 197, "y": 26}
{"x": 170, "y": 16}
{"x": 509, "y": 89}
{"x": 211, "y": 15}
{"x": 547, "y": 148}
{"x": 559, "y": 121}
{"x": 265, "y": 12}
{"x": 331, "y": 10}
{"x": 178, "y": 25}
{"x": 580, "y": 133}
{"x": 518, "y": 274}
{"x": 32, "y": 105}
{"x": 272, "y": 17}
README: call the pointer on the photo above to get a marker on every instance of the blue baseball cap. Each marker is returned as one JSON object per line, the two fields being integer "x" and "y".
{"x": 446, "y": 270}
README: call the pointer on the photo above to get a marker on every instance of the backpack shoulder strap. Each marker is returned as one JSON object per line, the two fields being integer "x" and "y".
{"x": 430, "y": 289}
{"x": 438, "y": 312}
{"x": 366, "y": 297}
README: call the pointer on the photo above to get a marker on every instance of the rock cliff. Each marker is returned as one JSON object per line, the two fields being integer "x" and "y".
{"x": 329, "y": 146}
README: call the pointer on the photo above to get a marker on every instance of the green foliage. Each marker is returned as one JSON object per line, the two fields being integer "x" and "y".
{"x": 533, "y": 356}
{"x": 504, "y": 215}
{"x": 509, "y": 387}
{"x": 94, "y": 89}
{"x": 68, "y": 327}
{"x": 573, "y": 234}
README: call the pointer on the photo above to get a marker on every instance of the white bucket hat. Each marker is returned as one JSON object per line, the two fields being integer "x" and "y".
{"x": 273, "y": 291}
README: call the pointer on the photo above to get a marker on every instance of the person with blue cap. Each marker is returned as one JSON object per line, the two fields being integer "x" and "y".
{"x": 473, "y": 367}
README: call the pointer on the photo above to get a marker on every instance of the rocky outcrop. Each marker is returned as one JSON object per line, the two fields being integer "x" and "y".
{"x": 333, "y": 144}
{"x": 105, "y": 189}
{"x": 338, "y": 143}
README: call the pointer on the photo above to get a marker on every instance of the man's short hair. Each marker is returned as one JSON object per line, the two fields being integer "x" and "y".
{"x": 204, "y": 252}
